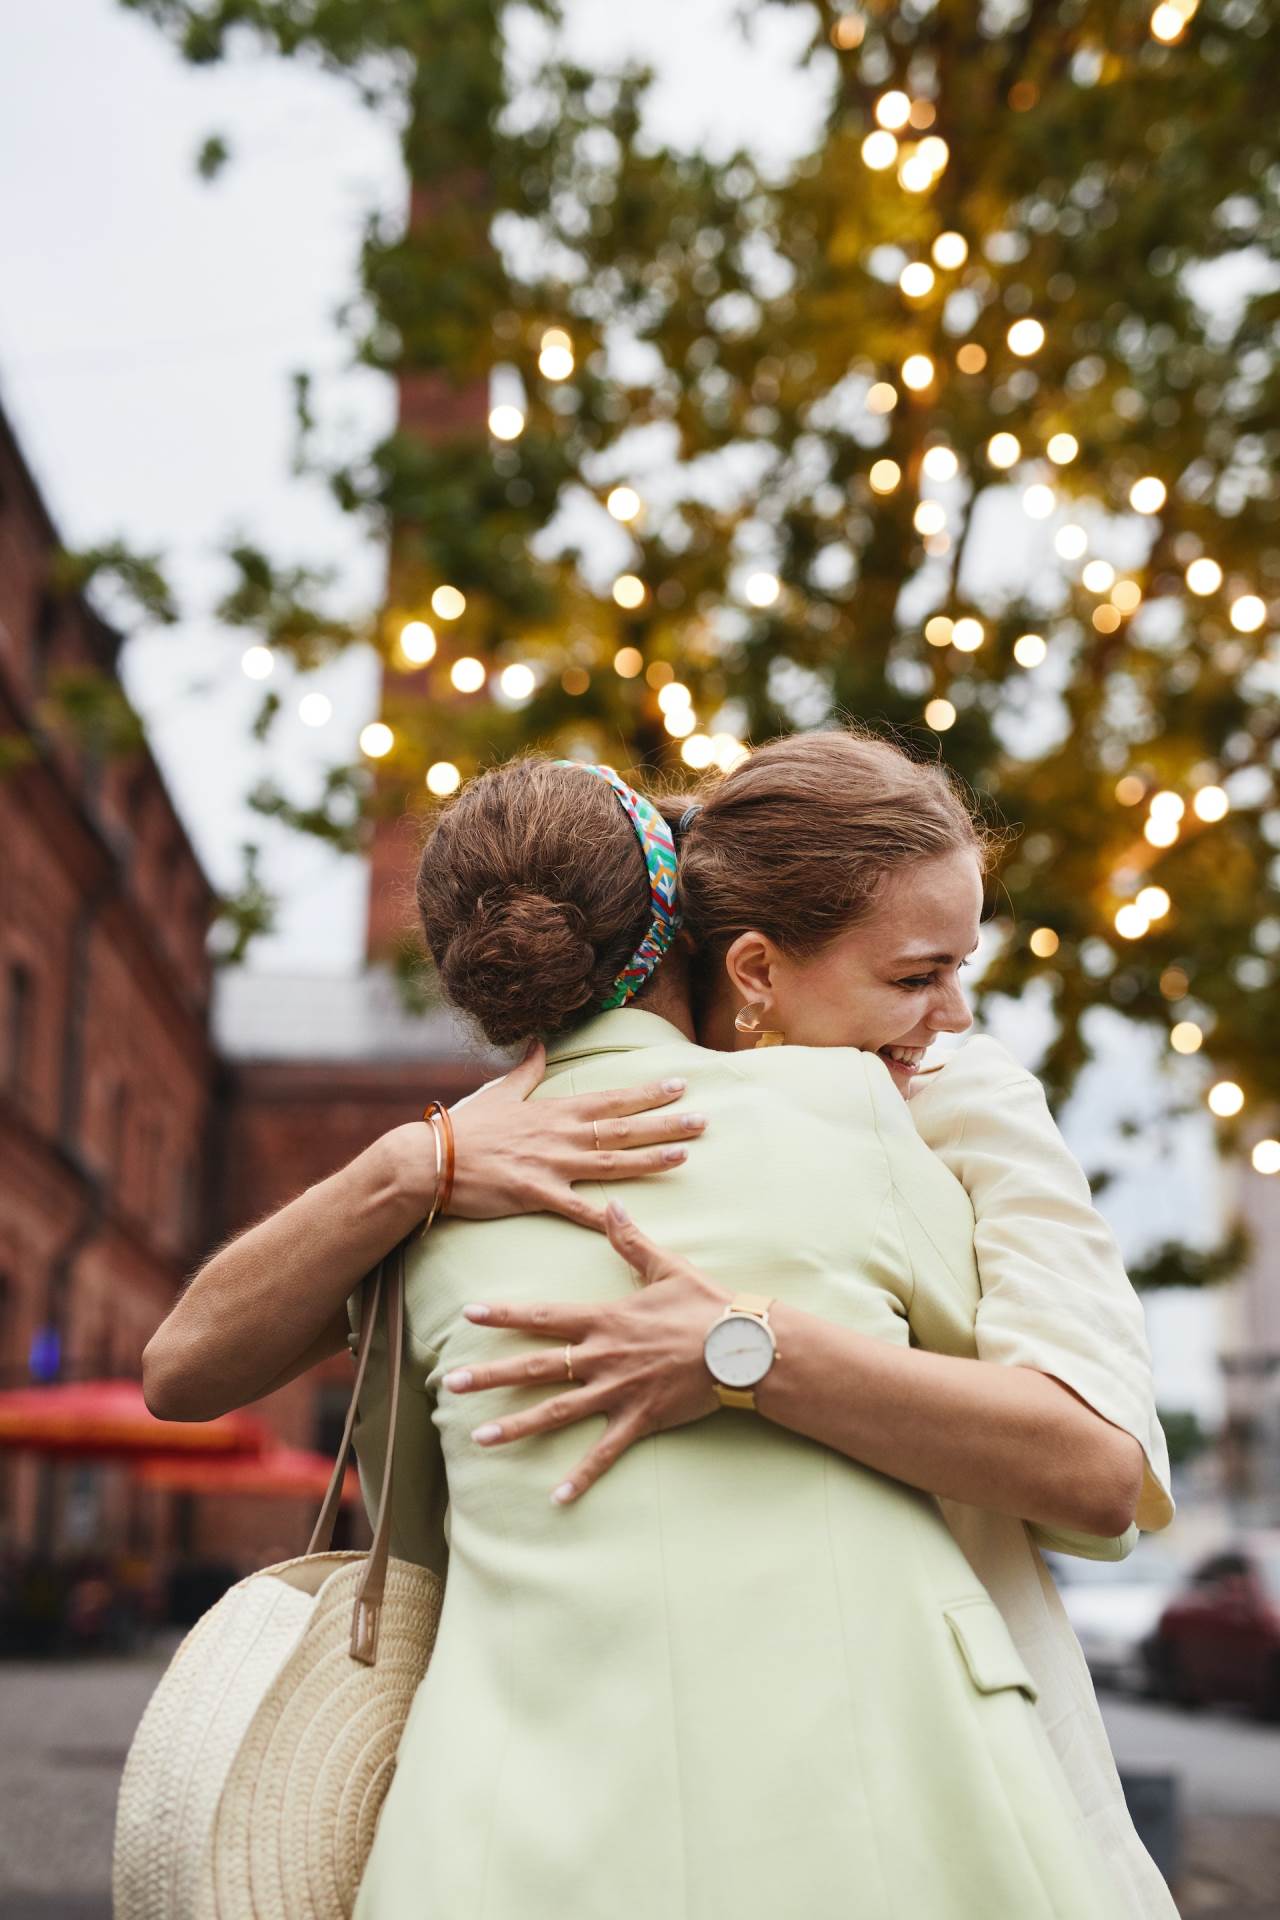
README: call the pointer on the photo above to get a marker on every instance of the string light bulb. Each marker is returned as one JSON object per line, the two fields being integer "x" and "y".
{"x": 1225, "y": 1099}
{"x": 916, "y": 280}
{"x": 762, "y": 589}
{"x": 506, "y": 422}
{"x": 1062, "y": 449}
{"x": 257, "y": 663}
{"x": 884, "y": 476}
{"x": 1186, "y": 1037}
{"x": 1248, "y": 613}
{"x": 940, "y": 715}
{"x": 1148, "y": 495}
{"x": 881, "y": 398}
{"x": 448, "y": 603}
{"x": 623, "y": 503}
{"x": 967, "y": 635}
{"x": 1025, "y": 337}
{"x": 1266, "y": 1156}
{"x": 917, "y": 372}
{"x": 1204, "y": 576}
{"x": 879, "y": 151}
{"x": 1029, "y": 649}
{"x": 929, "y": 517}
{"x": 628, "y": 662}
{"x": 1044, "y": 943}
{"x": 1004, "y": 450}
{"x": 555, "y": 360}
{"x": 315, "y": 709}
{"x": 376, "y": 740}
{"x": 417, "y": 642}
{"x": 950, "y": 250}
{"x": 1039, "y": 502}
{"x": 629, "y": 591}
{"x": 443, "y": 779}
{"x": 893, "y": 110}
{"x": 517, "y": 681}
{"x": 1210, "y": 804}
{"x": 940, "y": 464}
{"x": 467, "y": 674}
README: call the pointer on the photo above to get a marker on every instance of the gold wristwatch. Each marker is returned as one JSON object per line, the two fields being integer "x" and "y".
{"x": 740, "y": 1349}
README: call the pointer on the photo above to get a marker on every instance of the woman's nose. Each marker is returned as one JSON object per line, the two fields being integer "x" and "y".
{"x": 952, "y": 1015}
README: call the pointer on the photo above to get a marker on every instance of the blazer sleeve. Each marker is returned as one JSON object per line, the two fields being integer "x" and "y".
{"x": 1054, "y": 1292}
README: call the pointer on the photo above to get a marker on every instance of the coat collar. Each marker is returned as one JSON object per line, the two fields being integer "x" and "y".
{"x": 622, "y": 1031}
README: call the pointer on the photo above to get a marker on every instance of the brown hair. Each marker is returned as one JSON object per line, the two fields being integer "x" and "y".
{"x": 533, "y": 891}
{"x": 533, "y": 895}
{"x": 798, "y": 840}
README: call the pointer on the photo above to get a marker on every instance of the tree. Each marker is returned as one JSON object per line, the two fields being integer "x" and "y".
{"x": 1025, "y": 274}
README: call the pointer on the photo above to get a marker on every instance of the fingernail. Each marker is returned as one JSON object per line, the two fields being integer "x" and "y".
{"x": 476, "y": 1313}
{"x": 695, "y": 1120}
{"x": 489, "y": 1431}
{"x": 619, "y": 1215}
{"x": 563, "y": 1492}
{"x": 674, "y": 1086}
{"x": 460, "y": 1377}
{"x": 674, "y": 1155}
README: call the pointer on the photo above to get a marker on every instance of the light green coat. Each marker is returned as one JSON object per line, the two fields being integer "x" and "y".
{"x": 744, "y": 1676}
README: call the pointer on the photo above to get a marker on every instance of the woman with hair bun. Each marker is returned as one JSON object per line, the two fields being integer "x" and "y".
{"x": 802, "y": 1655}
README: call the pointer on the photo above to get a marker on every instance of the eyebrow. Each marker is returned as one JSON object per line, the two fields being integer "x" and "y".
{"x": 938, "y": 959}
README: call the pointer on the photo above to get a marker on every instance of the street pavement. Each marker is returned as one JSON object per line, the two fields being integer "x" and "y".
{"x": 65, "y": 1727}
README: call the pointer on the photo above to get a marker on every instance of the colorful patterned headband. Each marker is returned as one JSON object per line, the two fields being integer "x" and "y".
{"x": 658, "y": 848}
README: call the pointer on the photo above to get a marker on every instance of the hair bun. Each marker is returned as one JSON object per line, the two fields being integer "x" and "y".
{"x": 557, "y": 961}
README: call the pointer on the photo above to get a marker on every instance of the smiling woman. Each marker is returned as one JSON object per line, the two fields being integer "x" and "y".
{"x": 588, "y": 1664}
{"x": 914, "y": 1424}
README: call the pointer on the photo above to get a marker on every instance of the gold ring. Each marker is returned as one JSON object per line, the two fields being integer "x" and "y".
{"x": 568, "y": 1359}
{"x": 595, "y": 1130}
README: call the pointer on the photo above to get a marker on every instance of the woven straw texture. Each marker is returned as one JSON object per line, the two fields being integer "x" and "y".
{"x": 255, "y": 1778}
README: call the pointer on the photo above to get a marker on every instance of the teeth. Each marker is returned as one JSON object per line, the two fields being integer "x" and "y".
{"x": 905, "y": 1056}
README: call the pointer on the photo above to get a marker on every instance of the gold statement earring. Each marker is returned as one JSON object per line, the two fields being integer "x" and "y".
{"x": 748, "y": 1021}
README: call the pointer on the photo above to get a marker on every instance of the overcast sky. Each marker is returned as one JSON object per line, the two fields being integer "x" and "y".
{"x": 148, "y": 327}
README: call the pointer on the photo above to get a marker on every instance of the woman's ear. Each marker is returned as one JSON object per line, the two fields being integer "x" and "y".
{"x": 750, "y": 963}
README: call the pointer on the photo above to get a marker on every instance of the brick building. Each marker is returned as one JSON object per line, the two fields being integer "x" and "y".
{"x": 131, "y": 1140}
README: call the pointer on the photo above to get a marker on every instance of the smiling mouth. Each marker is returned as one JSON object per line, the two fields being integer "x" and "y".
{"x": 906, "y": 1059}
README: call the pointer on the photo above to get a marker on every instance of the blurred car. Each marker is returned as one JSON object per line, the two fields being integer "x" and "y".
{"x": 1218, "y": 1639}
{"x": 1114, "y": 1607}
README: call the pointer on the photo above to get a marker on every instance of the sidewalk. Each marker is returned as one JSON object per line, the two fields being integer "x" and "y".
{"x": 68, "y": 1727}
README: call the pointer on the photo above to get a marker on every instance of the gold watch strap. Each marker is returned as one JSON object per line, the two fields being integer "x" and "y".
{"x": 757, "y": 1305}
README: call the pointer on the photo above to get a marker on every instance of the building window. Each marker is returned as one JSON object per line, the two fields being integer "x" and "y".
{"x": 19, "y": 1014}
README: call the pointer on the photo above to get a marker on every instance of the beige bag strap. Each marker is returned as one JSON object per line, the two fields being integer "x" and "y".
{"x": 384, "y": 1286}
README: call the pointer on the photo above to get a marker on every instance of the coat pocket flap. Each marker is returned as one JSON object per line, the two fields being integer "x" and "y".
{"x": 987, "y": 1645}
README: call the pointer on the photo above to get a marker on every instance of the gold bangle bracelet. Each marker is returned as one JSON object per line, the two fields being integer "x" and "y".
{"x": 435, "y": 1198}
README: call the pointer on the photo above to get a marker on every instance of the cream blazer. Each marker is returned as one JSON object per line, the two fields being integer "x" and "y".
{"x": 1054, "y": 1296}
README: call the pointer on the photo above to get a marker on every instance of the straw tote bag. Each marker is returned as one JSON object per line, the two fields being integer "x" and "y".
{"x": 256, "y": 1775}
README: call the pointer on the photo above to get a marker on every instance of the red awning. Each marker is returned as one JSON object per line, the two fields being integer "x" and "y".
{"x": 109, "y": 1420}
{"x": 282, "y": 1472}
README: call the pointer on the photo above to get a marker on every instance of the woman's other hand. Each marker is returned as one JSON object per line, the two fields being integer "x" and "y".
{"x": 516, "y": 1155}
{"x": 638, "y": 1360}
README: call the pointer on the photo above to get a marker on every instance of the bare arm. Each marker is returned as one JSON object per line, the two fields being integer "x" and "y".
{"x": 271, "y": 1303}
{"x": 1003, "y": 1437}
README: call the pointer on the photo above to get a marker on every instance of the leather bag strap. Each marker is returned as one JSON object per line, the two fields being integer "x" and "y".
{"x": 383, "y": 1287}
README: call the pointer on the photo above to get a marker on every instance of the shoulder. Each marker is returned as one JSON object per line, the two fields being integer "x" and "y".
{"x": 980, "y": 1082}
{"x": 838, "y": 1083}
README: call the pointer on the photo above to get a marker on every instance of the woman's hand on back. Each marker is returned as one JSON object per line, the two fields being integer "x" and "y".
{"x": 638, "y": 1360}
{"x": 516, "y": 1155}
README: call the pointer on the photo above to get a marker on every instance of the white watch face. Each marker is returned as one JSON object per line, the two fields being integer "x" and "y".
{"x": 739, "y": 1350}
